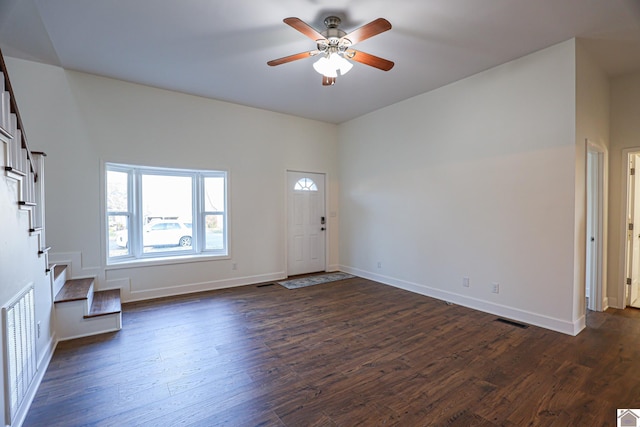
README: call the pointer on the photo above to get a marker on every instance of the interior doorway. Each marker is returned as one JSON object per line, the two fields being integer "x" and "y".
{"x": 595, "y": 236}
{"x": 632, "y": 282}
{"x": 306, "y": 223}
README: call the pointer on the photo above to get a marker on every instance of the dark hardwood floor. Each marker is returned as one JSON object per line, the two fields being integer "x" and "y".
{"x": 346, "y": 353}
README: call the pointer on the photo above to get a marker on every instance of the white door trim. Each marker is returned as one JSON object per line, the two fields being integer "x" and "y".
{"x": 624, "y": 200}
{"x": 286, "y": 217}
{"x": 598, "y": 211}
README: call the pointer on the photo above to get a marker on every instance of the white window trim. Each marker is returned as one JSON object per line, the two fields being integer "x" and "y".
{"x": 136, "y": 255}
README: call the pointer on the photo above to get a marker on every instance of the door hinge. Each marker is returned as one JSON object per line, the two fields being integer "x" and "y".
{"x": 632, "y": 171}
{"x": 628, "y": 280}
{"x": 630, "y": 226}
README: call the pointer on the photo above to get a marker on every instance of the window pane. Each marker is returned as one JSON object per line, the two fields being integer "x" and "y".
{"x": 214, "y": 194}
{"x": 214, "y": 232}
{"x": 305, "y": 184}
{"x": 153, "y": 213}
{"x": 118, "y": 235}
{"x": 117, "y": 191}
{"x": 166, "y": 207}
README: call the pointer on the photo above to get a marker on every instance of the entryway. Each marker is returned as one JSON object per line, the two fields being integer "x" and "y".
{"x": 306, "y": 222}
{"x": 596, "y": 161}
{"x": 632, "y": 266}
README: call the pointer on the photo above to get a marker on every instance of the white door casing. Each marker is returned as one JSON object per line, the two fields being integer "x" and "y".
{"x": 634, "y": 237}
{"x": 596, "y": 232}
{"x": 626, "y": 242}
{"x": 591, "y": 229}
{"x": 306, "y": 223}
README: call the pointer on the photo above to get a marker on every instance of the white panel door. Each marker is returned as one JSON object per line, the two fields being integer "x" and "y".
{"x": 591, "y": 228}
{"x": 633, "y": 299}
{"x": 306, "y": 223}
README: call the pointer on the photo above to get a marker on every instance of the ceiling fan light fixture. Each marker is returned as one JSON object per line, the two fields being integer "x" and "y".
{"x": 323, "y": 66}
{"x": 333, "y": 47}
{"x": 342, "y": 64}
{"x": 330, "y": 65}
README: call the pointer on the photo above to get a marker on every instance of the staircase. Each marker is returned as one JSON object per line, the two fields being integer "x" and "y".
{"x": 80, "y": 309}
{"x": 46, "y": 304}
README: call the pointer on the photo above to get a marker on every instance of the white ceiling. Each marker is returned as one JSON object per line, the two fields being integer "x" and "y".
{"x": 219, "y": 48}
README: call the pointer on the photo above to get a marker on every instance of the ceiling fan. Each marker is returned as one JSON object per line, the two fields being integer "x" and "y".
{"x": 333, "y": 45}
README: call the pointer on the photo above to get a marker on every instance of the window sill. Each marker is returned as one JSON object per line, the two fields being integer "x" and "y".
{"x": 170, "y": 260}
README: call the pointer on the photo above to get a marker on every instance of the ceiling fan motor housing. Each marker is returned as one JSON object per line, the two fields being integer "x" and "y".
{"x": 334, "y": 35}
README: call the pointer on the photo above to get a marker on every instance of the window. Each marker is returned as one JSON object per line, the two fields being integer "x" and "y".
{"x": 305, "y": 184}
{"x": 153, "y": 213}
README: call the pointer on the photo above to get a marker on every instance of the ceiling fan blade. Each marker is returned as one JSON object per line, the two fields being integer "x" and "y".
{"x": 371, "y": 60}
{"x": 304, "y": 28}
{"x": 292, "y": 58}
{"x": 328, "y": 81}
{"x": 371, "y": 29}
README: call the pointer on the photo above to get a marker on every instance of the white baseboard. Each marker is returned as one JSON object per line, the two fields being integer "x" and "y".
{"x": 579, "y": 325}
{"x": 612, "y": 302}
{"x": 558, "y": 325}
{"x": 333, "y": 267}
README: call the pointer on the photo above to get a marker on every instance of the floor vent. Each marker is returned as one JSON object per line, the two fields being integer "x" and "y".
{"x": 265, "y": 285}
{"x": 512, "y": 323}
{"x": 19, "y": 350}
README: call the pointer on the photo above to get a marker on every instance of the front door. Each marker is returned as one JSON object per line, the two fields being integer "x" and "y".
{"x": 306, "y": 223}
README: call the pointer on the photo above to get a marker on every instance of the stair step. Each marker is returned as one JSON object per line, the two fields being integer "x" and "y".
{"x": 75, "y": 290}
{"x": 104, "y": 303}
{"x": 57, "y": 269}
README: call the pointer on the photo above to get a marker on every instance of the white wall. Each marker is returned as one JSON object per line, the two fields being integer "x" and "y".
{"x": 625, "y": 134}
{"x": 475, "y": 179}
{"x": 592, "y": 124}
{"x": 87, "y": 120}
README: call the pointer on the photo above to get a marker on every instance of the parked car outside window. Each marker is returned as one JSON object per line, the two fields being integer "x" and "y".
{"x": 161, "y": 233}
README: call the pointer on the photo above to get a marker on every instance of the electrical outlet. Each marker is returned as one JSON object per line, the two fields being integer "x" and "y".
{"x": 234, "y": 266}
{"x": 465, "y": 282}
{"x": 379, "y": 264}
{"x": 495, "y": 288}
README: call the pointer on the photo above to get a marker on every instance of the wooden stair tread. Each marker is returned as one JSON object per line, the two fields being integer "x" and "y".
{"x": 75, "y": 290}
{"x": 105, "y": 302}
{"x": 58, "y": 269}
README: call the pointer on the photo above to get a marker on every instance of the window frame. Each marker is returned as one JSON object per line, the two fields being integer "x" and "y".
{"x": 135, "y": 217}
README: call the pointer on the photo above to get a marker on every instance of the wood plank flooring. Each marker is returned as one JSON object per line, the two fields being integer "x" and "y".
{"x": 346, "y": 353}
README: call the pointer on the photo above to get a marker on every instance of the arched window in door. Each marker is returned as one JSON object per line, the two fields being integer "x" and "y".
{"x": 305, "y": 184}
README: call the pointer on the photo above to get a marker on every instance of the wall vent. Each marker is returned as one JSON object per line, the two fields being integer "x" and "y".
{"x": 265, "y": 285}
{"x": 19, "y": 350}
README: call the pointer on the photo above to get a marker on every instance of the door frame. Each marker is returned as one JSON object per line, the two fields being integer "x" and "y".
{"x": 621, "y": 301}
{"x": 286, "y": 217}
{"x": 598, "y": 213}
{"x": 633, "y": 257}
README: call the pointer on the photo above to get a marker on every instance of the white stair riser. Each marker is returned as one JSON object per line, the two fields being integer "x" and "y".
{"x": 71, "y": 323}
{"x": 90, "y": 297}
{"x": 59, "y": 282}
